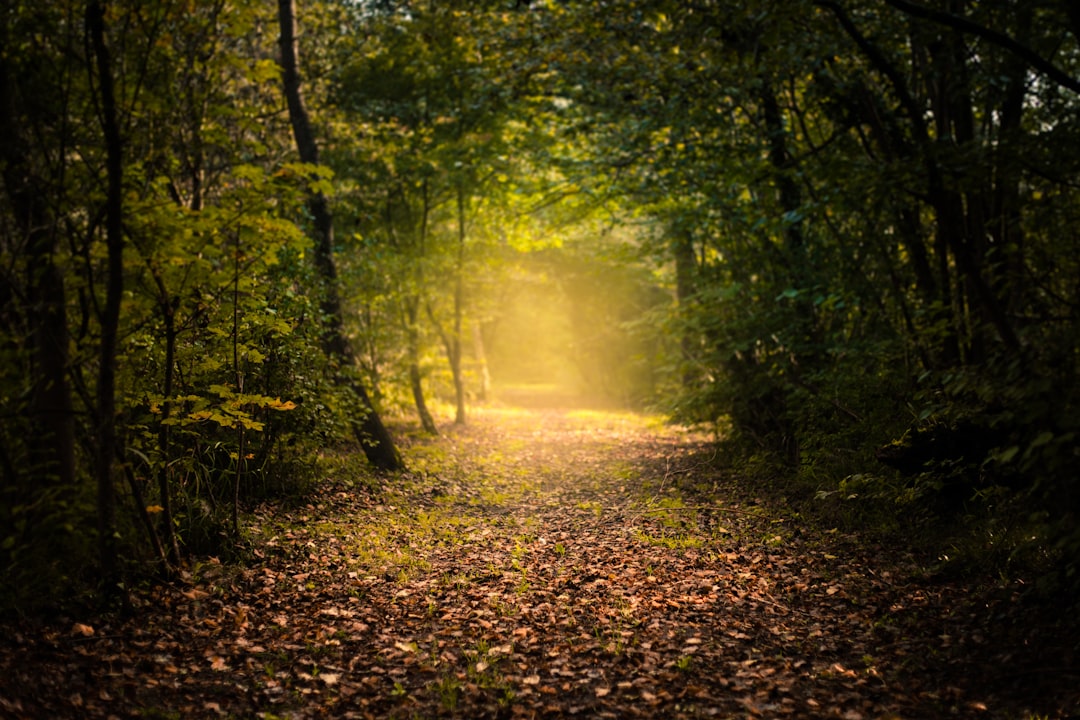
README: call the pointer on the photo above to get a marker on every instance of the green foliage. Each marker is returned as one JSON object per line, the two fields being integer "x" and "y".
{"x": 840, "y": 233}
{"x": 856, "y": 254}
{"x": 223, "y": 391}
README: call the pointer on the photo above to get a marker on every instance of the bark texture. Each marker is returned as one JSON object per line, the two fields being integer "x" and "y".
{"x": 371, "y": 432}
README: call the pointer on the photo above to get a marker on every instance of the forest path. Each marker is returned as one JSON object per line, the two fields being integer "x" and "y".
{"x": 536, "y": 563}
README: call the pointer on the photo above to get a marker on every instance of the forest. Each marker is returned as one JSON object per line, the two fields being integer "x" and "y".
{"x": 249, "y": 249}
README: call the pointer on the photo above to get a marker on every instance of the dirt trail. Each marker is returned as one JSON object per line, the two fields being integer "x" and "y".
{"x": 540, "y": 563}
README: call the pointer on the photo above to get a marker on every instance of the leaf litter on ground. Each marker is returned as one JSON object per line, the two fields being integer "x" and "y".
{"x": 549, "y": 563}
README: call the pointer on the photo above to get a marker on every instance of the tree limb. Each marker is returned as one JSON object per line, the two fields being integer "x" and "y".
{"x": 956, "y": 22}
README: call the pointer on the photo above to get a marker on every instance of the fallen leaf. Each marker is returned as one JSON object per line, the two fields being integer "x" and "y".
{"x": 81, "y": 629}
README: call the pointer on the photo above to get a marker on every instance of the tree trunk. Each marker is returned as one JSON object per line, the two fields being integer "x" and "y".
{"x": 412, "y": 333}
{"x": 481, "y": 360}
{"x": 165, "y": 439}
{"x": 951, "y": 226}
{"x": 459, "y": 297}
{"x": 1005, "y": 227}
{"x": 110, "y": 315}
{"x": 375, "y": 439}
{"x": 961, "y": 211}
{"x": 418, "y": 234}
{"x": 682, "y": 246}
{"x": 52, "y": 437}
{"x": 789, "y": 197}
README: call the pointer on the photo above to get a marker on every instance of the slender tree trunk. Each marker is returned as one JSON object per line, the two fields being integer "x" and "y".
{"x": 887, "y": 139}
{"x": 375, "y": 439}
{"x": 789, "y": 197}
{"x": 1006, "y": 227}
{"x": 144, "y": 517}
{"x": 682, "y": 247}
{"x": 413, "y": 299}
{"x": 165, "y": 440}
{"x": 238, "y": 373}
{"x": 370, "y": 353}
{"x": 947, "y": 203}
{"x": 110, "y": 315}
{"x": 51, "y": 406}
{"x": 961, "y": 219}
{"x": 454, "y": 349}
{"x": 52, "y": 441}
{"x": 481, "y": 360}
{"x": 412, "y": 334}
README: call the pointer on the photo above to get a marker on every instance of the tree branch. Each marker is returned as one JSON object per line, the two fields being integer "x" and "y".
{"x": 956, "y": 22}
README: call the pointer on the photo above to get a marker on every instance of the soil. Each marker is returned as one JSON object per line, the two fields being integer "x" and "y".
{"x": 552, "y": 562}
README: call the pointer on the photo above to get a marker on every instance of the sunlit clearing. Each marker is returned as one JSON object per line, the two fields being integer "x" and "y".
{"x": 529, "y": 351}
{"x": 558, "y": 337}
{"x": 525, "y": 411}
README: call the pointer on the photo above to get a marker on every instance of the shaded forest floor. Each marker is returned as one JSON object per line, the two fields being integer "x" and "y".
{"x": 551, "y": 563}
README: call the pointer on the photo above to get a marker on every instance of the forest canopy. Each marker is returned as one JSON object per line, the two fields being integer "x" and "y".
{"x": 841, "y": 233}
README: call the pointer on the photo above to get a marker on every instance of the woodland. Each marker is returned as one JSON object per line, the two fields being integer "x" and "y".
{"x": 535, "y": 358}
